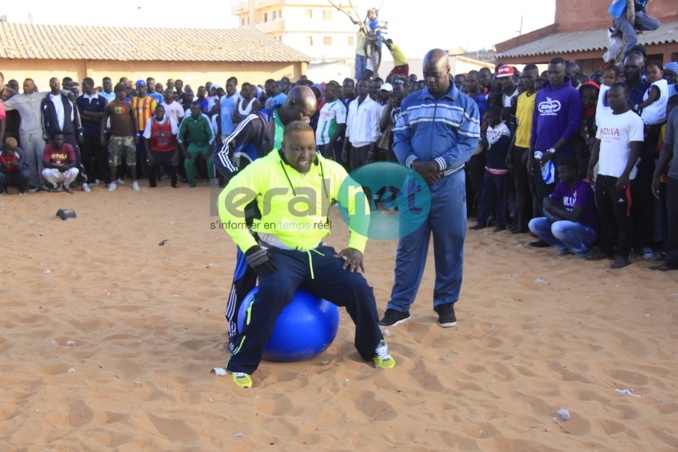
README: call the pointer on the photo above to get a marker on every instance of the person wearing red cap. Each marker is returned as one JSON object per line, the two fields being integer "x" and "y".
{"x": 506, "y": 76}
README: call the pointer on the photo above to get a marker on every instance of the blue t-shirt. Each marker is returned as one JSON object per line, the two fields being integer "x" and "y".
{"x": 582, "y": 195}
{"x": 373, "y": 25}
{"x": 481, "y": 100}
{"x": 157, "y": 97}
{"x": 226, "y": 108}
{"x": 204, "y": 106}
{"x": 278, "y": 99}
{"x": 617, "y": 8}
{"x": 96, "y": 104}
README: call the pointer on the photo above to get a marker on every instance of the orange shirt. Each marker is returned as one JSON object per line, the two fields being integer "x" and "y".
{"x": 144, "y": 107}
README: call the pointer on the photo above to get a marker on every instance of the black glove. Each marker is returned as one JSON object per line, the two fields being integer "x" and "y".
{"x": 260, "y": 261}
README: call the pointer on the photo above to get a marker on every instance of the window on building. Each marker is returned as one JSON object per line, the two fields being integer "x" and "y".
{"x": 309, "y": 40}
{"x": 280, "y": 13}
{"x": 327, "y": 14}
{"x": 327, "y": 40}
{"x": 351, "y": 42}
{"x": 275, "y": 15}
{"x": 242, "y": 21}
{"x": 309, "y": 14}
{"x": 265, "y": 17}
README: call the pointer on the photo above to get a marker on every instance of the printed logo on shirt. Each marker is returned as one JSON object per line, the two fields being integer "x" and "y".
{"x": 549, "y": 107}
{"x": 570, "y": 201}
{"x": 609, "y": 132}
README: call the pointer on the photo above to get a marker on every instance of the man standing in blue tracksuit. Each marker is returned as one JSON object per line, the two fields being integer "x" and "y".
{"x": 436, "y": 134}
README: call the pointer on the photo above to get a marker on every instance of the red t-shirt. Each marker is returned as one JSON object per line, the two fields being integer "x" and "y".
{"x": 162, "y": 139}
{"x": 8, "y": 159}
{"x": 62, "y": 156}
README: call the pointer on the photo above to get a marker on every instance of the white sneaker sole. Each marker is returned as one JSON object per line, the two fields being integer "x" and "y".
{"x": 397, "y": 323}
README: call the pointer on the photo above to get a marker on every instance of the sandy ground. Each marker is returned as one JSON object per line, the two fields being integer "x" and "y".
{"x": 107, "y": 341}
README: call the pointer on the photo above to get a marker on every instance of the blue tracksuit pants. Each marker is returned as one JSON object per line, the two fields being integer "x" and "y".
{"x": 322, "y": 274}
{"x": 447, "y": 222}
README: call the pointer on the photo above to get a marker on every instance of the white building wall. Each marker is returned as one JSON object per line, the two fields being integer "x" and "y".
{"x": 293, "y": 27}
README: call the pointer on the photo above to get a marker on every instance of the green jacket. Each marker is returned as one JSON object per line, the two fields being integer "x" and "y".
{"x": 199, "y": 130}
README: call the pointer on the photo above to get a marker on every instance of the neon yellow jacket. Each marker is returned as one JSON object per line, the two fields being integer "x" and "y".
{"x": 294, "y": 207}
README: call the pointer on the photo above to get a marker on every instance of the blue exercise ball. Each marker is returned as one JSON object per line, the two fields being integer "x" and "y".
{"x": 304, "y": 329}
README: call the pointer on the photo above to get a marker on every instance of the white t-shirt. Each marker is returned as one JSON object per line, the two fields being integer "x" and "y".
{"x": 59, "y": 107}
{"x": 174, "y": 111}
{"x": 506, "y": 100}
{"x": 616, "y": 132}
{"x": 655, "y": 113}
{"x": 602, "y": 108}
{"x": 331, "y": 116}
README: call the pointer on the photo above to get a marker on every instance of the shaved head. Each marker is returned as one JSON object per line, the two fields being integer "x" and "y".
{"x": 299, "y": 105}
{"x": 437, "y": 72}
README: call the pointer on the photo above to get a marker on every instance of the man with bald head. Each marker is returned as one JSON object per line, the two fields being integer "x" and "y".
{"x": 256, "y": 136}
{"x": 262, "y": 131}
{"x": 436, "y": 133}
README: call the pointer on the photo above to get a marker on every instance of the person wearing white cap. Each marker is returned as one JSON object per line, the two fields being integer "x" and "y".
{"x": 384, "y": 95}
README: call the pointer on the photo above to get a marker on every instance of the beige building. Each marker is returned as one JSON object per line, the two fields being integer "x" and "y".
{"x": 193, "y": 55}
{"x": 315, "y": 28}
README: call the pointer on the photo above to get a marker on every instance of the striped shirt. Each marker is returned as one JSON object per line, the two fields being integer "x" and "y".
{"x": 144, "y": 107}
{"x": 331, "y": 115}
{"x": 446, "y": 130}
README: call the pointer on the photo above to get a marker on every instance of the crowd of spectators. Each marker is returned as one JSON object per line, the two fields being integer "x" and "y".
{"x": 542, "y": 135}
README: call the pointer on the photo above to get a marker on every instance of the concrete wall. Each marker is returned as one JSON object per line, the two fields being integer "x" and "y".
{"x": 192, "y": 73}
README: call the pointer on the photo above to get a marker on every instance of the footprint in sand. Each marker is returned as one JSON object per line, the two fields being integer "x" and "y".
{"x": 173, "y": 429}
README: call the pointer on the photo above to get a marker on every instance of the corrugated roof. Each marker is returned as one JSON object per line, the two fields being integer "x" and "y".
{"x": 589, "y": 40}
{"x": 65, "y": 42}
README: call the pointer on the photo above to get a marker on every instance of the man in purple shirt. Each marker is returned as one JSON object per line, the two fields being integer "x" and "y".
{"x": 570, "y": 222}
{"x": 556, "y": 120}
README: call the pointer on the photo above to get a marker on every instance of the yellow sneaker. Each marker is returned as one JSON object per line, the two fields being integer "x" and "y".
{"x": 242, "y": 380}
{"x": 382, "y": 359}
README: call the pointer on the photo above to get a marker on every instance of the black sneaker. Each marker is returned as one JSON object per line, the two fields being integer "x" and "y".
{"x": 393, "y": 317}
{"x": 446, "y": 317}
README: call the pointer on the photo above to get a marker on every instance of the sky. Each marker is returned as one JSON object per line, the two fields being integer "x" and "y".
{"x": 418, "y": 25}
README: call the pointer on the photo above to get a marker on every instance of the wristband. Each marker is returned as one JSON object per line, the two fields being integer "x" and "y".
{"x": 551, "y": 151}
{"x": 257, "y": 257}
